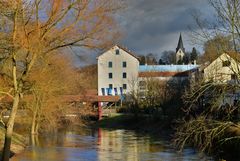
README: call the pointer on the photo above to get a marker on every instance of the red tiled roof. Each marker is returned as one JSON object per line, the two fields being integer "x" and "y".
{"x": 163, "y": 74}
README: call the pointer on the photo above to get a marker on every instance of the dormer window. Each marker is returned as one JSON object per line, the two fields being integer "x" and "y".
{"x": 226, "y": 63}
{"x": 117, "y": 51}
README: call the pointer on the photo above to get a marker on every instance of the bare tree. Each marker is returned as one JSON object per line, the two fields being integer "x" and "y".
{"x": 169, "y": 57}
{"x": 34, "y": 29}
{"x": 212, "y": 108}
{"x": 226, "y": 25}
{"x": 214, "y": 47}
{"x": 152, "y": 94}
{"x": 49, "y": 81}
{"x": 86, "y": 78}
{"x": 228, "y": 17}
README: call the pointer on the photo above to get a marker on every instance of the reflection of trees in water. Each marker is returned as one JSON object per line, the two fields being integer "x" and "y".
{"x": 124, "y": 145}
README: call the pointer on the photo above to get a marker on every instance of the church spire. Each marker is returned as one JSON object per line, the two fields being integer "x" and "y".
{"x": 180, "y": 44}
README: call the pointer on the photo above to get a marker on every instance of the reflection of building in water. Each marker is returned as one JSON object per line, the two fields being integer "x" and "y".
{"x": 121, "y": 145}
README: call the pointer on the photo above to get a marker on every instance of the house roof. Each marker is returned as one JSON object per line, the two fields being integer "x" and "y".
{"x": 167, "y": 68}
{"x": 123, "y": 48}
{"x": 232, "y": 55}
{"x": 128, "y": 51}
{"x": 163, "y": 74}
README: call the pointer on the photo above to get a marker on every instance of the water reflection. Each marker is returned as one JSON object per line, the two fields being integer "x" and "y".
{"x": 103, "y": 145}
{"x": 126, "y": 145}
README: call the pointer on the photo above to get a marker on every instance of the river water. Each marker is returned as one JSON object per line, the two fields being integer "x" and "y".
{"x": 104, "y": 145}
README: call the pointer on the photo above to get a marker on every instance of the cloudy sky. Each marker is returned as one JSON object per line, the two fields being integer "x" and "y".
{"x": 153, "y": 26}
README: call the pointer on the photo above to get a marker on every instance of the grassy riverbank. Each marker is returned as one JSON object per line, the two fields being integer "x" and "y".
{"x": 18, "y": 142}
{"x": 140, "y": 123}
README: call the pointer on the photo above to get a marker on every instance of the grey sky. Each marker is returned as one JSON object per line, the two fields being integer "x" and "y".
{"x": 153, "y": 26}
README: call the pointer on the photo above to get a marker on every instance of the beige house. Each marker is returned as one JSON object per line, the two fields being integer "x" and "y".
{"x": 222, "y": 70}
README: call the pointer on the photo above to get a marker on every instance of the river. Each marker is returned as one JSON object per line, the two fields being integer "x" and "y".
{"x": 104, "y": 145}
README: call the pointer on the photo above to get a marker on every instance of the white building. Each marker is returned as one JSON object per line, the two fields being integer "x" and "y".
{"x": 119, "y": 72}
{"x": 222, "y": 70}
{"x": 170, "y": 74}
{"x": 117, "y": 67}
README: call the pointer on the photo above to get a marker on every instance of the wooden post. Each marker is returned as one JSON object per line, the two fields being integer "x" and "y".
{"x": 99, "y": 136}
{"x": 99, "y": 111}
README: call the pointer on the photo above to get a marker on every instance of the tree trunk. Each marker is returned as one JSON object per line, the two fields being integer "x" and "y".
{"x": 9, "y": 129}
{"x": 34, "y": 120}
{"x": 36, "y": 127}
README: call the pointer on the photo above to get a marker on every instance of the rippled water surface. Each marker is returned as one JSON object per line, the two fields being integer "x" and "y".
{"x": 104, "y": 145}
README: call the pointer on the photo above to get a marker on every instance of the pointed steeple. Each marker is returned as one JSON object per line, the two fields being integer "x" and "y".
{"x": 180, "y": 44}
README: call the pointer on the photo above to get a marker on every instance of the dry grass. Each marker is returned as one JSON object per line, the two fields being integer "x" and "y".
{"x": 205, "y": 134}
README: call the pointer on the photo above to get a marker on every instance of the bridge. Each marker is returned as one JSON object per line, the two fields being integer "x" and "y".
{"x": 105, "y": 103}
{"x": 90, "y": 96}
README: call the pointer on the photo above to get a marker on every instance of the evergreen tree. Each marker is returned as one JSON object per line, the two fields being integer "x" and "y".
{"x": 193, "y": 55}
{"x": 185, "y": 59}
{"x": 161, "y": 62}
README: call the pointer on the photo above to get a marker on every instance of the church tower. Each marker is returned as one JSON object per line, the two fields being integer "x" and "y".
{"x": 180, "y": 50}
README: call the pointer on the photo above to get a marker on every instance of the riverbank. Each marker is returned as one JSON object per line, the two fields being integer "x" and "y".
{"x": 145, "y": 124}
{"x": 18, "y": 142}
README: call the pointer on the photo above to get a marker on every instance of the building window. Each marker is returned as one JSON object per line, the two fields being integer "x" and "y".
{"x": 110, "y": 75}
{"x": 110, "y": 86}
{"x": 124, "y": 86}
{"x": 124, "y": 75}
{"x": 124, "y": 64}
{"x": 226, "y": 63}
{"x": 110, "y": 64}
{"x": 103, "y": 91}
{"x": 117, "y": 52}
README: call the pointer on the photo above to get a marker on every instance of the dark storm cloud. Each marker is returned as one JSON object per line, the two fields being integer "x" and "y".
{"x": 155, "y": 25}
{"x": 152, "y": 26}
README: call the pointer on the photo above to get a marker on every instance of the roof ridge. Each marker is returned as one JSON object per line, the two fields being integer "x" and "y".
{"x": 123, "y": 48}
{"x": 128, "y": 51}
